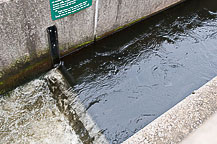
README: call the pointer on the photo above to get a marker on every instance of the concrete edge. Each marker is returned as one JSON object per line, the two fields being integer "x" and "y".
{"x": 205, "y": 134}
{"x": 70, "y": 105}
{"x": 185, "y": 117}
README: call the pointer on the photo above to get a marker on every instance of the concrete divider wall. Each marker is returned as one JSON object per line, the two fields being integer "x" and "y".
{"x": 23, "y": 38}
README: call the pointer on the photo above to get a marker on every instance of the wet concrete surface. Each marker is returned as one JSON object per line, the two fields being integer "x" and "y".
{"x": 46, "y": 110}
{"x": 130, "y": 78}
{"x": 29, "y": 114}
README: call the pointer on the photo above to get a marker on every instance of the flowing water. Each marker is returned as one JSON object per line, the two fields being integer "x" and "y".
{"x": 29, "y": 115}
{"x": 127, "y": 80}
{"x": 46, "y": 111}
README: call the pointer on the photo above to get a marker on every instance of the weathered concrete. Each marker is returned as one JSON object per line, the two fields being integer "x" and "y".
{"x": 23, "y": 29}
{"x": 115, "y": 14}
{"x": 205, "y": 134}
{"x": 23, "y": 23}
{"x": 176, "y": 124}
{"x": 23, "y": 39}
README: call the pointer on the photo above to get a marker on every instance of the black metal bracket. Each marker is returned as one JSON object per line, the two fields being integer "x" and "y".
{"x": 54, "y": 45}
{"x": 55, "y": 54}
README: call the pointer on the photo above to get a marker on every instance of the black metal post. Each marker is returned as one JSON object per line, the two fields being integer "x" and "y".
{"x": 54, "y": 45}
{"x": 55, "y": 54}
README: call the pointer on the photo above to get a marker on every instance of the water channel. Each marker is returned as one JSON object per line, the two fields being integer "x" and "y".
{"x": 130, "y": 78}
{"x": 124, "y": 81}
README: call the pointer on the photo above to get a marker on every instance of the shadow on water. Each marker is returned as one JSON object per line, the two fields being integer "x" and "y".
{"x": 127, "y": 80}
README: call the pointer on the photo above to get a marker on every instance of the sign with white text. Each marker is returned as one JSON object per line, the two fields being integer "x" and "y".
{"x": 62, "y": 8}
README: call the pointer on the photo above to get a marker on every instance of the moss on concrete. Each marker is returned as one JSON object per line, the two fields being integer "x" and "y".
{"x": 73, "y": 48}
{"x": 22, "y": 70}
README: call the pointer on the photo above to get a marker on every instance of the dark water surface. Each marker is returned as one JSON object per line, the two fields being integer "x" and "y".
{"x": 130, "y": 78}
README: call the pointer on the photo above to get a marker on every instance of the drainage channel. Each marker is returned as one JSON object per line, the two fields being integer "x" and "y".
{"x": 132, "y": 77}
{"x": 112, "y": 89}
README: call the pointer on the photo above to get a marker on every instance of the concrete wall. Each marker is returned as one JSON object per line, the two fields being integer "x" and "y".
{"x": 117, "y": 13}
{"x": 23, "y": 39}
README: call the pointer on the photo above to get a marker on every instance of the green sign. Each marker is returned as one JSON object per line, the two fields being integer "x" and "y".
{"x": 62, "y": 8}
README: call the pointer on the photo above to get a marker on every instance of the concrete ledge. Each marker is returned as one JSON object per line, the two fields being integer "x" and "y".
{"x": 70, "y": 105}
{"x": 177, "y": 123}
{"x": 205, "y": 134}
